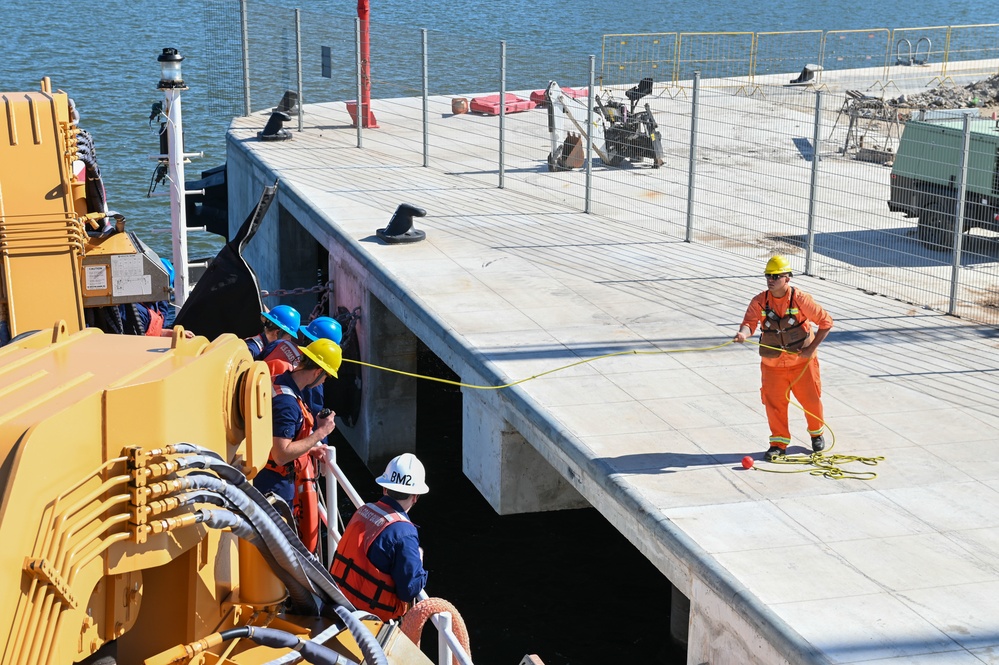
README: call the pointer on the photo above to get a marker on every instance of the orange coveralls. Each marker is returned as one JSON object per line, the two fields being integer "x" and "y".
{"x": 778, "y": 374}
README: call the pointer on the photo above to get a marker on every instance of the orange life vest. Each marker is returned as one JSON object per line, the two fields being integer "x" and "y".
{"x": 155, "y": 323}
{"x": 303, "y": 473}
{"x": 284, "y": 357}
{"x": 365, "y": 586}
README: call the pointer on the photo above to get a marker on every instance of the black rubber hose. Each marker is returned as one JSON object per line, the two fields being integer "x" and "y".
{"x": 317, "y": 573}
{"x": 372, "y": 650}
{"x": 300, "y": 595}
{"x": 311, "y": 652}
{"x": 282, "y": 549}
{"x": 314, "y": 568}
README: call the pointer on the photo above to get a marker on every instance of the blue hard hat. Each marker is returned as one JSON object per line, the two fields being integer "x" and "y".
{"x": 323, "y": 328}
{"x": 284, "y": 317}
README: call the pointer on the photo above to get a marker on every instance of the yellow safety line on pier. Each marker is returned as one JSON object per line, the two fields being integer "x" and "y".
{"x": 825, "y": 465}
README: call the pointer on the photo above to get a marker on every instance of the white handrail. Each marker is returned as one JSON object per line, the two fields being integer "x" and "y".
{"x": 330, "y": 463}
{"x": 445, "y": 633}
{"x": 448, "y": 643}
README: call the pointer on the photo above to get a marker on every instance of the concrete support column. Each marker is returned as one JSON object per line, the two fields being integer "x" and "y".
{"x": 386, "y": 426}
{"x": 506, "y": 469}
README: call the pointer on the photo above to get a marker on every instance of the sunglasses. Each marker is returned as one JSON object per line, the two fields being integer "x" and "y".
{"x": 774, "y": 278}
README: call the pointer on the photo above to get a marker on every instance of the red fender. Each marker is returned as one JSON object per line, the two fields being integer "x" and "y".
{"x": 306, "y": 506}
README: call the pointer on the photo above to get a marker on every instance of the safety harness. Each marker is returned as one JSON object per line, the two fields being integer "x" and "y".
{"x": 782, "y": 333}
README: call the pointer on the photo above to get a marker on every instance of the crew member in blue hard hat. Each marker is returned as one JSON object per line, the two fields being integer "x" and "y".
{"x": 298, "y": 433}
{"x": 322, "y": 327}
{"x": 279, "y": 323}
{"x": 379, "y": 563}
{"x": 282, "y": 356}
{"x": 792, "y": 326}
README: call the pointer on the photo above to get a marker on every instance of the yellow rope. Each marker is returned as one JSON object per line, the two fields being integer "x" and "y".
{"x": 826, "y": 466}
{"x": 535, "y": 376}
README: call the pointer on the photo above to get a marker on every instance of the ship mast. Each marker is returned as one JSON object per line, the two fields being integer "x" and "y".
{"x": 171, "y": 83}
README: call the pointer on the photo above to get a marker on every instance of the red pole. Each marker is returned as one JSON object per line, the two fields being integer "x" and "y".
{"x": 364, "y": 110}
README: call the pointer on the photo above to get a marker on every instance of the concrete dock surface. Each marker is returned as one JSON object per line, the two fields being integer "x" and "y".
{"x": 779, "y": 567}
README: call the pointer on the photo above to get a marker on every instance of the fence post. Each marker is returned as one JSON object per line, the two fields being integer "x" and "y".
{"x": 962, "y": 192}
{"x": 502, "y": 114}
{"x": 692, "y": 163}
{"x": 426, "y": 99}
{"x": 245, "y": 29}
{"x": 814, "y": 185}
{"x": 357, "y": 65}
{"x": 589, "y": 138}
{"x": 298, "y": 65}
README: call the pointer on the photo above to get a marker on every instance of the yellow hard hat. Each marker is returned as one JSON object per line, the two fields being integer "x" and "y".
{"x": 326, "y": 353}
{"x": 777, "y": 265}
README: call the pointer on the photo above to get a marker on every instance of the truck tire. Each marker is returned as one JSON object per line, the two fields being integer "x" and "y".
{"x": 935, "y": 228}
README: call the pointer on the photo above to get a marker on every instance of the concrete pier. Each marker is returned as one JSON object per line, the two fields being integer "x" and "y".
{"x": 776, "y": 568}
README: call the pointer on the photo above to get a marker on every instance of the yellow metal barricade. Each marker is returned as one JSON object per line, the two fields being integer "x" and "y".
{"x": 626, "y": 59}
{"x": 723, "y": 58}
{"x": 863, "y": 52}
{"x": 972, "y": 50}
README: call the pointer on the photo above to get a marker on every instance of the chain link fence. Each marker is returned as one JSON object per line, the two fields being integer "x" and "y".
{"x": 749, "y": 161}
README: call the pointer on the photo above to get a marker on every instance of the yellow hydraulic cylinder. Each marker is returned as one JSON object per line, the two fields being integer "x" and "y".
{"x": 259, "y": 587}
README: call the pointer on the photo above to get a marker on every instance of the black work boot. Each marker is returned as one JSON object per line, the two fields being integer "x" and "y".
{"x": 818, "y": 444}
{"x": 774, "y": 452}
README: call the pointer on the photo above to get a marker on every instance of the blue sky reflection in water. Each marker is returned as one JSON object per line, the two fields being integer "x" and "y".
{"x": 106, "y": 60}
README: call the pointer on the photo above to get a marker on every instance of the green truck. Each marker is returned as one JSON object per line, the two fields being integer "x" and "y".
{"x": 926, "y": 177}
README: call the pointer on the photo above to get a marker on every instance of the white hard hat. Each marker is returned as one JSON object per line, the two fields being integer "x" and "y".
{"x": 404, "y": 474}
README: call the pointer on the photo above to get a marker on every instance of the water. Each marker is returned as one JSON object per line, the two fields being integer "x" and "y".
{"x": 107, "y": 62}
{"x": 558, "y": 584}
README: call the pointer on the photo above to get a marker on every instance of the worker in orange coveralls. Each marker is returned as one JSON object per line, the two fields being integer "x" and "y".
{"x": 785, "y": 316}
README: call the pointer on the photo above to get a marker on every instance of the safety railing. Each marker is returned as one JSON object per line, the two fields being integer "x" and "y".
{"x": 756, "y": 161}
{"x": 449, "y": 648}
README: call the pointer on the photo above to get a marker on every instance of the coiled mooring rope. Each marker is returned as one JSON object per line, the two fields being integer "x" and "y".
{"x": 414, "y": 620}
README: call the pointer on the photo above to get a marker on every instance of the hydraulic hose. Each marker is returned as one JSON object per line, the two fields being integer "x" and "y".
{"x": 311, "y": 651}
{"x": 225, "y": 519}
{"x": 289, "y": 551}
{"x": 321, "y": 638}
{"x": 302, "y": 595}
{"x": 276, "y": 542}
{"x": 372, "y": 650}
{"x": 315, "y": 571}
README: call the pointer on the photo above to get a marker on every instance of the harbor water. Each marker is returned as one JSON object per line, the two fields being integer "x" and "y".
{"x": 107, "y": 60}
{"x": 566, "y": 586}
